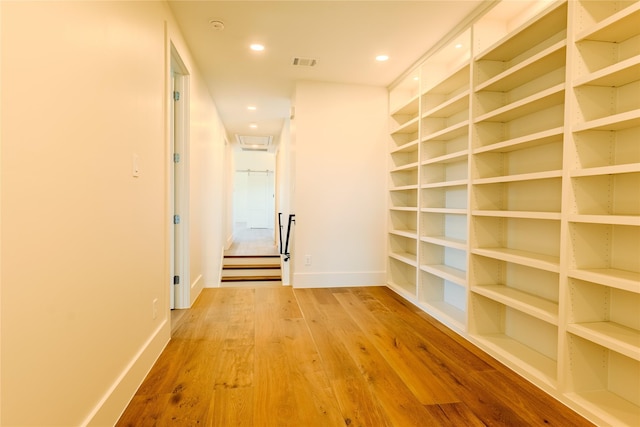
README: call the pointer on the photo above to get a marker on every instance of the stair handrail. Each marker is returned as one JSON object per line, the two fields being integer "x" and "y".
{"x": 287, "y": 254}
{"x": 281, "y": 249}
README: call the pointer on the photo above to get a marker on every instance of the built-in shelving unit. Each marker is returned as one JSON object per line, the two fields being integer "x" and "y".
{"x": 515, "y": 195}
{"x": 603, "y": 277}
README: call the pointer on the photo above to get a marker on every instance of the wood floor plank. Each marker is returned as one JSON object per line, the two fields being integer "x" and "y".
{"x": 454, "y": 414}
{"x": 273, "y": 401}
{"x": 232, "y": 407}
{"x": 357, "y": 401}
{"x": 316, "y": 403}
{"x": 277, "y": 302}
{"x": 439, "y": 340}
{"x": 397, "y": 351}
{"x": 399, "y": 404}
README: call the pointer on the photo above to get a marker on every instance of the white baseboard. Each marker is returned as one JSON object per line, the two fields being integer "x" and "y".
{"x": 339, "y": 279}
{"x": 115, "y": 400}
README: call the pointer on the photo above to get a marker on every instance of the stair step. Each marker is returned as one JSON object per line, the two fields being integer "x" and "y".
{"x": 252, "y": 284}
{"x": 250, "y": 266}
{"x": 250, "y": 260}
{"x": 252, "y": 256}
{"x": 254, "y": 272}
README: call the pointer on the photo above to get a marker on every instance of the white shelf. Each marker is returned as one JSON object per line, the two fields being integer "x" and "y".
{"x": 531, "y": 33}
{"x": 450, "y": 106}
{"x": 619, "y": 121}
{"x": 539, "y": 101}
{"x": 538, "y": 138}
{"x": 405, "y": 257}
{"x": 450, "y": 132}
{"x": 457, "y": 211}
{"x": 410, "y": 108}
{"x": 608, "y": 406}
{"x": 448, "y": 158}
{"x": 533, "y": 305}
{"x": 529, "y": 361}
{"x": 404, "y": 208}
{"x": 407, "y": 128}
{"x": 519, "y": 177}
{"x": 606, "y": 219}
{"x": 606, "y": 170}
{"x": 445, "y": 241}
{"x": 404, "y": 233}
{"x": 604, "y": 382}
{"x": 518, "y": 214}
{"x": 613, "y": 336}
{"x": 617, "y": 28}
{"x": 404, "y": 187}
{"x": 615, "y": 75}
{"x": 446, "y": 313}
{"x": 406, "y": 290}
{"x": 619, "y": 279}
{"x": 445, "y": 272}
{"x": 530, "y": 259}
{"x": 406, "y": 167}
{"x": 445, "y": 184}
{"x": 406, "y": 148}
{"x": 549, "y": 59}
{"x": 453, "y": 81}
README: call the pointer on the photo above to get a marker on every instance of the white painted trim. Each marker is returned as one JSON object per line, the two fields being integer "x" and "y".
{"x": 109, "y": 409}
{"x": 229, "y": 242}
{"x": 339, "y": 279}
{"x": 195, "y": 282}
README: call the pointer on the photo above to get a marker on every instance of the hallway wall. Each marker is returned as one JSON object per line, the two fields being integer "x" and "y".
{"x": 339, "y": 142}
{"x": 84, "y": 244}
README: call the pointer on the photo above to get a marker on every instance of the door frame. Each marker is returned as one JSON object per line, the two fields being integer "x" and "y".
{"x": 178, "y": 188}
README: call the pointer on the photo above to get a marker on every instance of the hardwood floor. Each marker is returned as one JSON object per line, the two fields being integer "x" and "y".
{"x": 329, "y": 357}
{"x": 253, "y": 241}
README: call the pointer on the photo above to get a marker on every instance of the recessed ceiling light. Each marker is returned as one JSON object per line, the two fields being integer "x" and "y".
{"x": 252, "y": 108}
{"x": 459, "y": 45}
{"x": 257, "y": 47}
{"x": 253, "y": 125}
{"x": 382, "y": 58}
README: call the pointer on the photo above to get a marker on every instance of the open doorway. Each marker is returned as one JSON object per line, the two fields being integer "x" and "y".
{"x": 254, "y": 192}
{"x": 253, "y": 258}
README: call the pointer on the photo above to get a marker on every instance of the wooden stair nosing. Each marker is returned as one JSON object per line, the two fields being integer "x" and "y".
{"x": 250, "y": 266}
{"x": 252, "y": 256}
{"x": 251, "y": 279}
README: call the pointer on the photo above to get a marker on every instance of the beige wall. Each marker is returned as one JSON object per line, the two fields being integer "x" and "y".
{"x": 84, "y": 243}
{"x": 339, "y": 141}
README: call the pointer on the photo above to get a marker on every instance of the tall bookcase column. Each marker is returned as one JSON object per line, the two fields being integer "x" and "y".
{"x": 603, "y": 213}
{"x": 404, "y": 165}
{"x": 444, "y": 148}
{"x": 514, "y": 196}
{"x": 517, "y": 168}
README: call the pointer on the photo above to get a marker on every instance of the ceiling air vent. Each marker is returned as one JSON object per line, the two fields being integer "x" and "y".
{"x": 304, "y": 62}
{"x": 254, "y": 143}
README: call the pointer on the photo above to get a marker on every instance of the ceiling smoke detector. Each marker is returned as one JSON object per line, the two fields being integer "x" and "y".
{"x": 216, "y": 24}
{"x": 300, "y": 61}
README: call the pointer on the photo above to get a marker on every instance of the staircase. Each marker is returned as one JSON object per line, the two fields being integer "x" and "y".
{"x": 251, "y": 270}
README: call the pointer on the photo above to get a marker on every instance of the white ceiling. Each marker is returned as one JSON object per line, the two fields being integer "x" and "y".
{"x": 344, "y": 37}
